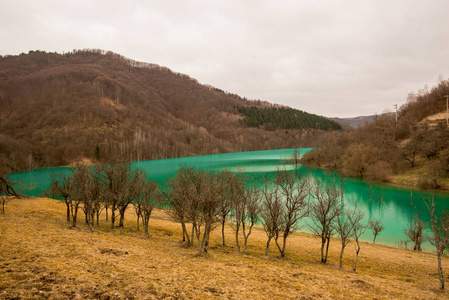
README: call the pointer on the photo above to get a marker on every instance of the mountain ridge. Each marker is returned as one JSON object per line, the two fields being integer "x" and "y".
{"x": 358, "y": 121}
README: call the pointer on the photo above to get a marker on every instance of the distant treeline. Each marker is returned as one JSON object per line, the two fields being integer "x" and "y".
{"x": 272, "y": 118}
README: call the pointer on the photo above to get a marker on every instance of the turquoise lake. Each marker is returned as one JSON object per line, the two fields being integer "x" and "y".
{"x": 395, "y": 209}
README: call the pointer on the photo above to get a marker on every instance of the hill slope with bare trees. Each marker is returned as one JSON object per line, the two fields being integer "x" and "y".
{"x": 414, "y": 150}
{"x": 90, "y": 104}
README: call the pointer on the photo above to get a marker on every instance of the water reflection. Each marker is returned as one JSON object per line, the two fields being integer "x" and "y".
{"x": 252, "y": 169}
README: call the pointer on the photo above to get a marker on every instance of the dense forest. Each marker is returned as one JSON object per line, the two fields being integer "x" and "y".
{"x": 95, "y": 106}
{"x": 414, "y": 150}
{"x": 272, "y": 118}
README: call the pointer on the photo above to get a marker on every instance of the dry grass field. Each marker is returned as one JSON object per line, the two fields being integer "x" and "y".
{"x": 42, "y": 257}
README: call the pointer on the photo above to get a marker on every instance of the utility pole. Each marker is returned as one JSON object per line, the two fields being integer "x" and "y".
{"x": 396, "y": 108}
{"x": 447, "y": 110}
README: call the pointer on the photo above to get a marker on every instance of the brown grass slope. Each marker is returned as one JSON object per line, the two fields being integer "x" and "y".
{"x": 43, "y": 258}
{"x": 56, "y": 109}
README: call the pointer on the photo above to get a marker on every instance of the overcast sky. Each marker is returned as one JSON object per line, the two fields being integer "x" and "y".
{"x": 333, "y": 58}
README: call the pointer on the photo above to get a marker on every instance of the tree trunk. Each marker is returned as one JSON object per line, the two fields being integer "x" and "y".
{"x": 374, "y": 241}
{"x": 356, "y": 255}
{"x": 207, "y": 229}
{"x": 237, "y": 229}
{"x": 206, "y": 243}
{"x": 112, "y": 218}
{"x": 145, "y": 221}
{"x": 74, "y": 214}
{"x": 200, "y": 241}
{"x": 200, "y": 245}
{"x": 323, "y": 243}
{"x": 268, "y": 245}
{"x": 122, "y": 217}
{"x": 417, "y": 246}
{"x": 222, "y": 230}
{"x": 245, "y": 237}
{"x": 277, "y": 245}
{"x": 193, "y": 233}
{"x": 341, "y": 255}
{"x": 245, "y": 246}
{"x": 92, "y": 219}
{"x": 440, "y": 269}
{"x": 106, "y": 207}
{"x": 68, "y": 211}
{"x": 328, "y": 239}
{"x": 138, "y": 216}
{"x": 185, "y": 234}
{"x": 284, "y": 245}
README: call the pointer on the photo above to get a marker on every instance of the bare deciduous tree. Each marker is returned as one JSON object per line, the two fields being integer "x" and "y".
{"x": 194, "y": 197}
{"x": 251, "y": 216}
{"x": 323, "y": 211}
{"x": 293, "y": 187}
{"x": 196, "y": 193}
{"x": 7, "y": 191}
{"x": 115, "y": 178}
{"x": 376, "y": 227}
{"x": 440, "y": 229}
{"x": 61, "y": 186}
{"x": 344, "y": 228}
{"x": 415, "y": 231}
{"x": 238, "y": 211}
{"x": 295, "y": 157}
{"x": 208, "y": 208}
{"x": 245, "y": 210}
{"x": 79, "y": 194}
{"x": 271, "y": 215}
{"x": 358, "y": 228}
{"x": 227, "y": 183}
{"x": 147, "y": 201}
{"x": 96, "y": 198}
{"x": 176, "y": 200}
{"x": 130, "y": 191}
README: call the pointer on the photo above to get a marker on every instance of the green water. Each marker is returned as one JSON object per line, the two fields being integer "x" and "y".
{"x": 395, "y": 210}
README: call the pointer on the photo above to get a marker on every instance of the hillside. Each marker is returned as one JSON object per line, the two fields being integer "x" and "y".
{"x": 44, "y": 258}
{"x": 358, "y": 121}
{"x": 96, "y": 106}
{"x": 414, "y": 151}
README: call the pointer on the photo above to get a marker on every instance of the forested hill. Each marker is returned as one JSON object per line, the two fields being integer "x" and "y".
{"x": 272, "y": 118}
{"x": 413, "y": 151}
{"x": 56, "y": 109}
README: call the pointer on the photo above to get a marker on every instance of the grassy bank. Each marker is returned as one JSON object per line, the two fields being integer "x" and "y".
{"x": 412, "y": 178}
{"x": 41, "y": 257}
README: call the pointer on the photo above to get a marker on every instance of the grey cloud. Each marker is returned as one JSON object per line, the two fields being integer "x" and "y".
{"x": 335, "y": 58}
